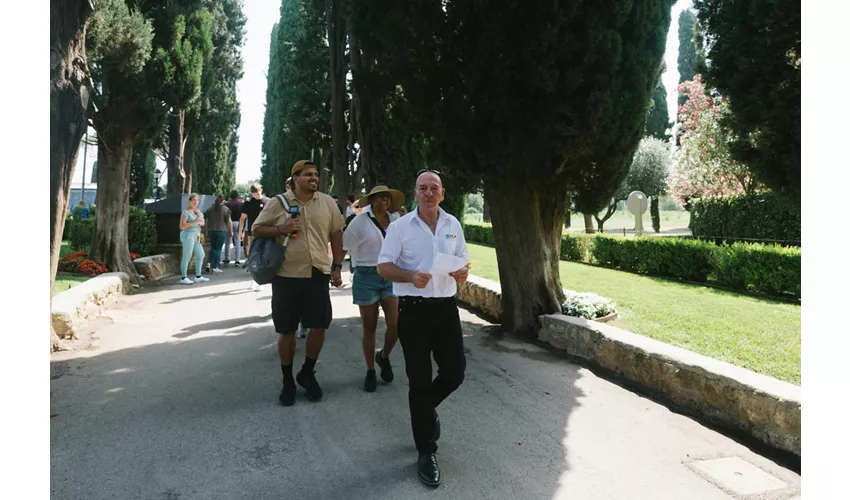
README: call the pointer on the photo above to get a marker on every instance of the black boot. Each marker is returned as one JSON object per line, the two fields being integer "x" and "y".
{"x": 429, "y": 471}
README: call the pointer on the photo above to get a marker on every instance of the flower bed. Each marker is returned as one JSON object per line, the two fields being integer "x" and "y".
{"x": 587, "y": 305}
{"x": 78, "y": 262}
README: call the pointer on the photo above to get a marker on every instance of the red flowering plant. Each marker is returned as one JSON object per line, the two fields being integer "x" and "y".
{"x": 78, "y": 262}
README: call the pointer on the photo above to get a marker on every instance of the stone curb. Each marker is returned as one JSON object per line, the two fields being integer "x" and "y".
{"x": 86, "y": 301}
{"x": 156, "y": 267}
{"x": 763, "y": 407}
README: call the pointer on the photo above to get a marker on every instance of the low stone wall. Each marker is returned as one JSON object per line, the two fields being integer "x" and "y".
{"x": 86, "y": 301}
{"x": 155, "y": 267}
{"x": 763, "y": 407}
{"x": 482, "y": 294}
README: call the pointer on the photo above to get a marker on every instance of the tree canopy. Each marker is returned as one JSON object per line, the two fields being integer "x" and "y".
{"x": 755, "y": 58}
{"x": 532, "y": 98}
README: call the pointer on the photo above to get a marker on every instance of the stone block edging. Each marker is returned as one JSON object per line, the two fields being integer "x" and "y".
{"x": 763, "y": 407}
{"x": 86, "y": 301}
{"x": 156, "y": 267}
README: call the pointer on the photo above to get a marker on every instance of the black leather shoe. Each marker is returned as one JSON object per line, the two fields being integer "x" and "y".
{"x": 386, "y": 369}
{"x": 437, "y": 429}
{"x": 371, "y": 382}
{"x": 310, "y": 385}
{"x": 429, "y": 471}
{"x": 287, "y": 395}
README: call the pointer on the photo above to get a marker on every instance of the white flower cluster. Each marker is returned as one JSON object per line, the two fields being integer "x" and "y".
{"x": 587, "y": 305}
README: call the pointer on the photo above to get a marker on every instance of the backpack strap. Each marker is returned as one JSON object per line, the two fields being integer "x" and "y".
{"x": 284, "y": 202}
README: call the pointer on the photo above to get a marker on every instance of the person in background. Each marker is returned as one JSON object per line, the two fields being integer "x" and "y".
{"x": 84, "y": 210}
{"x": 349, "y": 209}
{"x": 250, "y": 210}
{"x": 234, "y": 204}
{"x": 363, "y": 239}
{"x": 190, "y": 236}
{"x": 218, "y": 229}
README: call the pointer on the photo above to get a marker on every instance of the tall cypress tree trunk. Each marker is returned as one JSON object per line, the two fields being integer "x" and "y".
{"x": 363, "y": 110}
{"x": 335, "y": 14}
{"x": 656, "y": 216}
{"x": 323, "y": 165}
{"x": 189, "y": 163}
{"x": 176, "y": 174}
{"x": 530, "y": 232}
{"x": 110, "y": 244}
{"x": 70, "y": 88}
{"x": 486, "y": 216}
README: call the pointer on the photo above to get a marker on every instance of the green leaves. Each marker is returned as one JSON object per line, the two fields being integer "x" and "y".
{"x": 118, "y": 38}
{"x": 758, "y": 216}
{"x": 755, "y": 62}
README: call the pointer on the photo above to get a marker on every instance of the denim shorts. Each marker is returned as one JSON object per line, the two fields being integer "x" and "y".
{"x": 369, "y": 287}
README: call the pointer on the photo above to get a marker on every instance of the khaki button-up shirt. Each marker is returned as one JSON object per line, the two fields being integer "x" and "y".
{"x": 319, "y": 218}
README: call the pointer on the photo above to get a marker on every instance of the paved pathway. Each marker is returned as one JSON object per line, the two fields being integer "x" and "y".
{"x": 176, "y": 398}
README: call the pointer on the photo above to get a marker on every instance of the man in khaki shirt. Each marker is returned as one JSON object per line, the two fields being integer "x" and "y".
{"x": 300, "y": 289}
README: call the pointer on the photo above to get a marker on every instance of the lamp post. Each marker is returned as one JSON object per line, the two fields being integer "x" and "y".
{"x": 156, "y": 189}
{"x": 85, "y": 157}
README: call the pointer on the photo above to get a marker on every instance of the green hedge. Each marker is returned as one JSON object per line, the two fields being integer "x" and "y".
{"x": 81, "y": 233}
{"x": 770, "y": 269}
{"x": 759, "y": 216}
{"x": 141, "y": 232}
{"x": 659, "y": 256}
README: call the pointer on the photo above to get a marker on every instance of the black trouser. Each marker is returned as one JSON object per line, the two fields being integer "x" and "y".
{"x": 426, "y": 326}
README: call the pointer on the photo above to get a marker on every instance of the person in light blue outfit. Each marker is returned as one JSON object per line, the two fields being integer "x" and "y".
{"x": 191, "y": 221}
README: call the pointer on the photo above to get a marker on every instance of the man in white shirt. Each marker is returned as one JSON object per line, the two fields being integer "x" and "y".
{"x": 428, "y": 320}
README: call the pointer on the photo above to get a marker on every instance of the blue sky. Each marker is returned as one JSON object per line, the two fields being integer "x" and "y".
{"x": 251, "y": 91}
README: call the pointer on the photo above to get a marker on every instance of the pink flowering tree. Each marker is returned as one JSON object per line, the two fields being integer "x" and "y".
{"x": 704, "y": 165}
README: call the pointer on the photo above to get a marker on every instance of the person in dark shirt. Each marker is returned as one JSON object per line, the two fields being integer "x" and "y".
{"x": 250, "y": 210}
{"x": 235, "y": 206}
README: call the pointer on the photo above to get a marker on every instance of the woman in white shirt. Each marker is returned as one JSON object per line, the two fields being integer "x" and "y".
{"x": 363, "y": 239}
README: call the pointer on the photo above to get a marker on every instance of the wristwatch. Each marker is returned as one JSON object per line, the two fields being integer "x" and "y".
{"x": 335, "y": 265}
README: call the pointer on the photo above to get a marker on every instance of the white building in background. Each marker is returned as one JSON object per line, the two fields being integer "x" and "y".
{"x": 77, "y": 194}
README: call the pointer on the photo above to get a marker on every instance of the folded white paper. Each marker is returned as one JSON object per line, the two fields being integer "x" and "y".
{"x": 445, "y": 264}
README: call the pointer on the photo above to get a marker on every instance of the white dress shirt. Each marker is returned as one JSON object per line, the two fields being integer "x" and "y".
{"x": 363, "y": 240}
{"x": 411, "y": 246}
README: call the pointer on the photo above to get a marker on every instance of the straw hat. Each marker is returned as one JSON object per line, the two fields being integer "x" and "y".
{"x": 395, "y": 204}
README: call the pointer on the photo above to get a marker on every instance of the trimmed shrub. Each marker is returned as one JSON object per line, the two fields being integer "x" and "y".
{"x": 758, "y": 216}
{"x": 479, "y": 233}
{"x": 576, "y": 247}
{"x": 672, "y": 257}
{"x": 770, "y": 269}
{"x": 141, "y": 232}
{"x": 81, "y": 233}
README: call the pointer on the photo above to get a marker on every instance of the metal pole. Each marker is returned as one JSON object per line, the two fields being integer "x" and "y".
{"x": 85, "y": 157}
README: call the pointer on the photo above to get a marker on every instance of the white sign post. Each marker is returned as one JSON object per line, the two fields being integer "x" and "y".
{"x": 637, "y": 204}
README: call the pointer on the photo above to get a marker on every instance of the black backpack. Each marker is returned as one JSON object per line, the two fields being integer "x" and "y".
{"x": 266, "y": 255}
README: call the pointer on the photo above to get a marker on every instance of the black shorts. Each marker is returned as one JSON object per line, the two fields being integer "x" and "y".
{"x": 301, "y": 300}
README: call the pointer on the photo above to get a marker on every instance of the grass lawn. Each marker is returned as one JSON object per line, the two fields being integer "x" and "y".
{"x": 758, "y": 334}
{"x": 65, "y": 248}
{"x": 670, "y": 219}
{"x": 65, "y": 281}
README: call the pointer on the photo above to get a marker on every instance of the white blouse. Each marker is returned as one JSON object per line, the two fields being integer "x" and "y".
{"x": 363, "y": 240}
